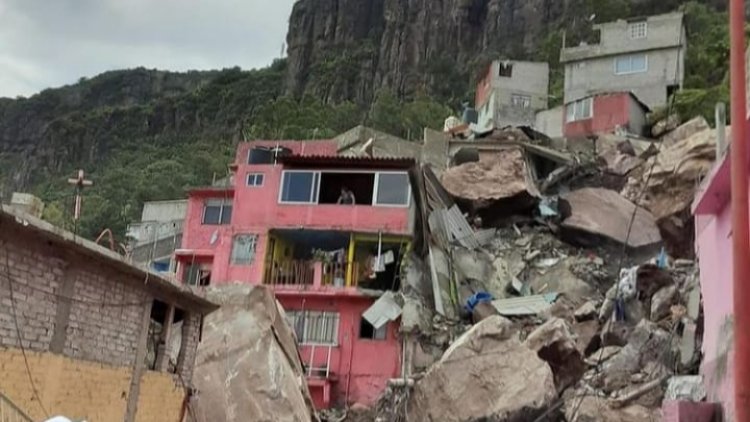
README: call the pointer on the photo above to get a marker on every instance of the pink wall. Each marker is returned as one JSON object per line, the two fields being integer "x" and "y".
{"x": 365, "y": 365}
{"x": 610, "y": 111}
{"x": 256, "y": 210}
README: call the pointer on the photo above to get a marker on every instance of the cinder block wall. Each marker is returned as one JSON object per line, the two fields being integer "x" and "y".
{"x": 81, "y": 353}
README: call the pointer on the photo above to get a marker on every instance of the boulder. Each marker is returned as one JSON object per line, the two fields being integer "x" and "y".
{"x": 597, "y": 213}
{"x": 487, "y": 373}
{"x": 665, "y": 125}
{"x": 596, "y": 409}
{"x": 555, "y": 343}
{"x": 247, "y": 366}
{"x": 662, "y": 301}
{"x": 689, "y": 128}
{"x": 586, "y": 311}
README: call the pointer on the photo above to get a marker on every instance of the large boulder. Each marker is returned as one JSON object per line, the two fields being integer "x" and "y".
{"x": 248, "y": 367}
{"x": 596, "y": 409}
{"x": 486, "y": 374}
{"x": 596, "y": 213}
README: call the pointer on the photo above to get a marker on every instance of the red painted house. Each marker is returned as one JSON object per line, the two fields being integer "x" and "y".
{"x": 279, "y": 223}
{"x": 604, "y": 113}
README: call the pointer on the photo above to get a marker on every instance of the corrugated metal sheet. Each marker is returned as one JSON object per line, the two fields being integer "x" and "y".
{"x": 527, "y": 305}
{"x": 459, "y": 229}
{"x": 383, "y": 310}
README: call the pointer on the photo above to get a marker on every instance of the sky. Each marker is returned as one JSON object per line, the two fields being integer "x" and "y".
{"x": 50, "y": 43}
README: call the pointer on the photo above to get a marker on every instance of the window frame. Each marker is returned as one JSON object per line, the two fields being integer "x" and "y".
{"x": 576, "y": 104}
{"x": 253, "y": 251}
{"x": 383, "y": 331}
{"x": 630, "y": 57}
{"x": 305, "y": 315}
{"x": 377, "y": 185}
{"x": 317, "y": 176}
{"x": 634, "y": 30}
{"x": 314, "y": 190}
{"x": 255, "y": 177}
{"x": 225, "y": 203}
{"x": 525, "y": 100}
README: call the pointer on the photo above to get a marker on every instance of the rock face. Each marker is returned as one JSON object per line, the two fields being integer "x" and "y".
{"x": 348, "y": 49}
{"x": 487, "y": 374}
{"x": 248, "y": 368}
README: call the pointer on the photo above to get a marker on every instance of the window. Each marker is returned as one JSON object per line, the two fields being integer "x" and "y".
{"x": 638, "y": 30}
{"x": 367, "y": 331}
{"x": 299, "y": 187}
{"x": 505, "y": 70}
{"x": 523, "y": 101}
{"x": 217, "y": 211}
{"x": 580, "y": 110}
{"x": 634, "y": 63}
{"x": 255, "y": 179}
{"x": 243, "y": 249}
{"x": 196, "y": 275}
{"x": 314, "y": 327}
{"x": 392, "y": 189}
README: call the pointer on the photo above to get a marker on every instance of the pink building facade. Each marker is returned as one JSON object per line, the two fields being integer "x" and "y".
{"x": 713, "y": 234}
{"x": 278, "y": 223}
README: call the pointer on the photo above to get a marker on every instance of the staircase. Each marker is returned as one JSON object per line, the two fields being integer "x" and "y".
{"x": 9, "y": 412}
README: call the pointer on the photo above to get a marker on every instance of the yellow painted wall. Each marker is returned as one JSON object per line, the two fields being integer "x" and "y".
{"x": 86, "y": 390}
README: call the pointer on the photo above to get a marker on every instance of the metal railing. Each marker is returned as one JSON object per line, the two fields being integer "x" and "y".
{"x": 319, "y": 371}
{"x": 9, "y": 412}
{"x": 289, "y": 273}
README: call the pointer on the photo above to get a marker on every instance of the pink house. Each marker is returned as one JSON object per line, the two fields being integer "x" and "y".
{"x": 279, "y": 223}
{"x": 713, "y": 242}
{"x": 604, "y": 113}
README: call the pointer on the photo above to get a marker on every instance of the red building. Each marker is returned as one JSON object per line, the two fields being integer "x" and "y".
{"x": 278, "y": 222}
{"x": 604, "y": 113}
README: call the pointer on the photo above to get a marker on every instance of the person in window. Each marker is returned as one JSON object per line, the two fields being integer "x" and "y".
{"x": 346, "y": 197}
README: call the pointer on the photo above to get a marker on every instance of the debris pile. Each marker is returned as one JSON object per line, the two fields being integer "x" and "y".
{"x": 544, "y": 286}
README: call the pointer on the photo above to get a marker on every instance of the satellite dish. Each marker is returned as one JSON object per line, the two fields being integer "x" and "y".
{"x": 214, "y": 237}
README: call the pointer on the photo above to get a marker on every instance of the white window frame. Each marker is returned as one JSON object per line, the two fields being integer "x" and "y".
{"x": 224, "y": 204}
{"x": 314, "y": 192}
{"x": 255, "y": 177}
{"x": 293, "y": 315}
{"x": 253, "y": 251}
{"x": 520, "y": 100}
{"x": 576, "y": 105}
{"x": 638, "y": 30}
{"x": 317, "y": 176}
{"x": 630, "y": 57}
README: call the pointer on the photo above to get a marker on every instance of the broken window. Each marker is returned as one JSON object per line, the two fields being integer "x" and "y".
{"x": 315, "y": 327}
{"x": 369, "y": 332}
{"x": 579, "y": 110}
{"x": 255, "y": 179}
{"x": 521, "y": 101}
{"x": 392, "y": 189}
{"x": 243, "y": 249}
{"x": 360, "y": 184}
{"x": 217, "y": 211}
{"x": 505, "y": 70}
{"x": 638, "y": 30}
{"x": 299, "y": 187}
{"x": 633, "y": 63}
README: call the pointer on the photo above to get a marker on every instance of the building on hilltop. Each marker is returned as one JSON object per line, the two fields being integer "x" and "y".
{"x": 511, "y": 93}
{"x": 153, "y": 240}
{"x": 103, "y": 340}
{"x": 327, "y": 233}
{"x": 645, "y": 56}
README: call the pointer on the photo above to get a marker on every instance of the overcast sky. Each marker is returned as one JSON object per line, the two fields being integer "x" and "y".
{"x": 49, "y": 43}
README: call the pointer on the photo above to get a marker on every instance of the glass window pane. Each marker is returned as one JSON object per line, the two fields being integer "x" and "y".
{"x": 226, "y": 215}
{"x": 243, "y": 248}
{"x": 393, "y": 189}
{"x": 297, "y": 187}
{"x": 586, "y": 109}
{"x": 211, "y": 214}
{"x": 571, "y": 112}
{"x": 638, "y": 63}
{"x": 622, "y": 64}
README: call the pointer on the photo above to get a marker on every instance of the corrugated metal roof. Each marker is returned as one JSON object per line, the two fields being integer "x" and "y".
{"x": 383, "y": 310}
{"x": 357, "y": 162}
{"x": 527, "y": 305}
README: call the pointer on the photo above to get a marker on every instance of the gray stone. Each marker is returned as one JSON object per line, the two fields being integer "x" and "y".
{"x": 662, "y": 301}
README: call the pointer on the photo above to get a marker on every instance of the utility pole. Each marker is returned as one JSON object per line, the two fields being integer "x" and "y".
{"x": 79, "y": 182}
{"x": 739, "y": 210}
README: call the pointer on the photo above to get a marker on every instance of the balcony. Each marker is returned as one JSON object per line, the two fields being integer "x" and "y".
{"x": 310, "y": 273}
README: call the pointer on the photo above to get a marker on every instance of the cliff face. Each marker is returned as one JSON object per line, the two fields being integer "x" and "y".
{"x": 348, "y": 49}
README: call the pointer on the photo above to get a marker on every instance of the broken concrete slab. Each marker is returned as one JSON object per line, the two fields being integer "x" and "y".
{"x": 560, "y": 279}
{"x": 247, "y": 366}
{"x": 527, "y": 305}
{"x": 662, "y": 301}
{"x": 486, "y": 374}
{"x": 686, "y": 388}
{"x": 605, "y": 213}
{"x": 554, "y": 342}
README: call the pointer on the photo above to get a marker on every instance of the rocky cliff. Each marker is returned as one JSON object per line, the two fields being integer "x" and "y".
{"x": 348, "y": 49}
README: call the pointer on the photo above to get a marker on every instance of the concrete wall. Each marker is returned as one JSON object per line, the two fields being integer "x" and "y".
{"x": 528, "y": 78}
{"x": 506, "y": 115}
{"x": 84, "y": 353}
{"x": 164, "y": 210}
{"x": 590, "y": 69}
{"x": 550, "y": 122}
{"x": 256, "y": 209}
{"x": 361, "y": 364}
{"x": 638, "y": 117}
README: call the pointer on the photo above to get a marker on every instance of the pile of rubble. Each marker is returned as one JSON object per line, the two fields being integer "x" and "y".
{"x": 571, "y": 295}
